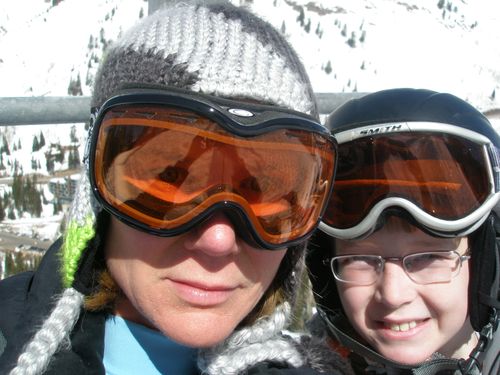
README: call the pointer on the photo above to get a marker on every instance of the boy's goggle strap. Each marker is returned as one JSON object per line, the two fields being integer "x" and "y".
{"x": 445, "y": 176}
{"x": 164, "y": 161}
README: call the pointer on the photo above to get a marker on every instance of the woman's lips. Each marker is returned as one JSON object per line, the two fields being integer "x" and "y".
{"x": 200, "y": 294}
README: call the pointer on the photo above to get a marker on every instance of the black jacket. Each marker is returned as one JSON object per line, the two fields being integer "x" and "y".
{"x": 27, "y": 298}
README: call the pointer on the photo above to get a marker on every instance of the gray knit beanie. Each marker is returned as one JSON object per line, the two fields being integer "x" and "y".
{"x": 216, "y": 49}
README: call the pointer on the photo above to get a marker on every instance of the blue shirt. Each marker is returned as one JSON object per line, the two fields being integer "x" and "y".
{"x": 131, "y": 348}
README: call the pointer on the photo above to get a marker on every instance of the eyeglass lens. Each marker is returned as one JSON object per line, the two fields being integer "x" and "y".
{"x": 422, "y": 268}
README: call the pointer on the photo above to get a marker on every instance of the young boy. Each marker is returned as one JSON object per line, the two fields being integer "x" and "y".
{"x": 406, "y": 266}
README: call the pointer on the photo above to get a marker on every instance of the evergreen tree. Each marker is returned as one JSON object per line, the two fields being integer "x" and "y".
{"x": 318, "y": 31}
{"x": 34, "y": 164}
{"x": 328, "y": 67}
{"x": 352, "y": 40}
{"x": 59, "y": 156}
{"x": 45, "y": 201}
{"x": 2, "y": 211}
{"x": 57, "y": 206}
{"x": 42, "y": 140}
{"x": 49, "y": 163}
{"x": 344, "y": 31}
{"x": 36, "y": 144}
{"x": 5, "y": 146}
{"x": 70, "y": 159}
{"x": 103, "y": 40}
{"x": 362, "y": 37}
{"x": 72, "y": 135}
{"x": 17, "y": 186}
{"x": 16, "y": 262}
{"x": 75, "y": 87}
{"x": 9, "y": 264}
{"x": 307, "y": 27}
{"x": 301, "y": 16}
{"x": 75, "y": 158}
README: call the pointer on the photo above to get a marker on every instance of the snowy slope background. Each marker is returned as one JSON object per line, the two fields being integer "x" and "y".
{"x": 368, "y": 45}
{"x": 53, "y": 48}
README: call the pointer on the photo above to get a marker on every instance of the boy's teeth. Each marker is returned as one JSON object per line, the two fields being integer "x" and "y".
{"x": 403, "y": 326}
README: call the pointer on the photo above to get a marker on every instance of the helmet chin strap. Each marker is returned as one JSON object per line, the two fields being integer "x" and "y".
{"x": 445, "y": 366}
{"x": 473, "y": 363}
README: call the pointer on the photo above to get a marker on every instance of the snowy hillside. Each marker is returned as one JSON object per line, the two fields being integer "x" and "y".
{"x": 347, "y": 45}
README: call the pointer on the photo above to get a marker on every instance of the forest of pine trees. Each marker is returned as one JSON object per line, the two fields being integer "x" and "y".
{"x": 16, "y": 262}
{"x": 23, "y": 192}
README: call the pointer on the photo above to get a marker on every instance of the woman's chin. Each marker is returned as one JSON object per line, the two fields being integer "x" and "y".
{"x": 198, "y": 330}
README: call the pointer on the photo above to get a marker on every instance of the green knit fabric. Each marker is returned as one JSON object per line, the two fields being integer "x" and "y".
{"x": 75, "y": 241}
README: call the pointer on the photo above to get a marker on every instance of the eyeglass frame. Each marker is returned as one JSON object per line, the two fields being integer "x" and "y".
{"x": 401, "y": 260}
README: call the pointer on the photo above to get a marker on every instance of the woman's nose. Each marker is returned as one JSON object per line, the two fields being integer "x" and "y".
{"x": 215, "y": 237}
{"x": 394, "y": 287}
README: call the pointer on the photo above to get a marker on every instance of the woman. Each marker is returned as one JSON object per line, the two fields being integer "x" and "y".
{"x": 206, "y": 170}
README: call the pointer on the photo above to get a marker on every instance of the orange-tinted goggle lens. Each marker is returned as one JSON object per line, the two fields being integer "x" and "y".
{"x": 445, "y": 175}
{"x": 163, "y": 167}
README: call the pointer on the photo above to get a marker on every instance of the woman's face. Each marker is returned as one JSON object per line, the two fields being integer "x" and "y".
{"x": 404, "y": 321}
{"x": 195, "y": 288}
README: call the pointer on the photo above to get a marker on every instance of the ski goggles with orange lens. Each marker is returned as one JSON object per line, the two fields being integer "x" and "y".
{"x": 446, "y": 177}
{"x": 164, "y": 160}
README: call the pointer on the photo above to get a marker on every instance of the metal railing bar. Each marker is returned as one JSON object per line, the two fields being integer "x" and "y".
{"x": 34, "y": 110}
{"x": 44, "y": 110}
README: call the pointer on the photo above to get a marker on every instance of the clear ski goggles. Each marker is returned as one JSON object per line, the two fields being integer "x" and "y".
{"x": 446, "y": 177}
{"x": 165, "y": 160}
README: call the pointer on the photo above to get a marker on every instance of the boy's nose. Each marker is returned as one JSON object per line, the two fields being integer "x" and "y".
{"x": 394, "y": 287}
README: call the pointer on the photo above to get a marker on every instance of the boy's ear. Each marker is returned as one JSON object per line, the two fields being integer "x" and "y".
{"x": 484, "y": 284}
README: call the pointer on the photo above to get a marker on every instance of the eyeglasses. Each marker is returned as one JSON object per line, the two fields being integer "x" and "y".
{"x": 446, "y": 177}
{"x": 164, "y": 160}
{"x": 422, "y": 268}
